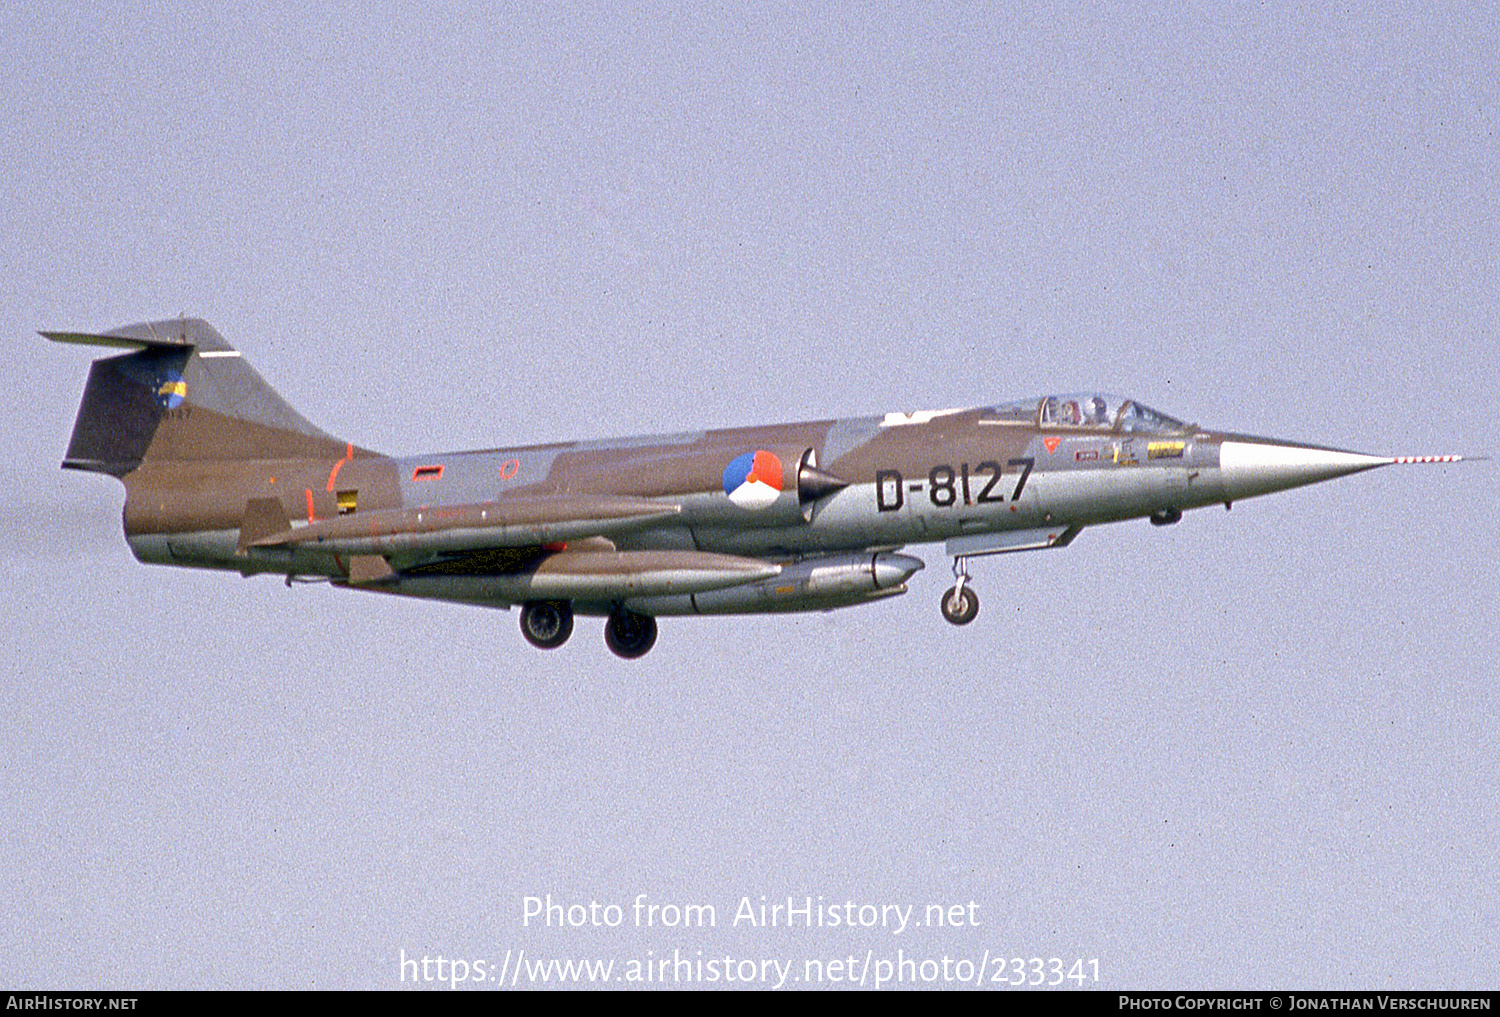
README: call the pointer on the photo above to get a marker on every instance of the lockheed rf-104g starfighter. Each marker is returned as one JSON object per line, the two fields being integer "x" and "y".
{"x": 221, "y": 473}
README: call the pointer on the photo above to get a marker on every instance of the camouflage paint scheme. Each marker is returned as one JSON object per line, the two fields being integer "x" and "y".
{"x": 221, "y": 473}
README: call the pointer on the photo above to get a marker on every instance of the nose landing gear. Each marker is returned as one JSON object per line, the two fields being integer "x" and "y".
{"x": 961, "y": 603}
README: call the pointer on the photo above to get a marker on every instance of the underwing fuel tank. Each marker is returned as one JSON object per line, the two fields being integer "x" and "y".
{"x": 592, "y": 576}
{"x": 812, "y": 584}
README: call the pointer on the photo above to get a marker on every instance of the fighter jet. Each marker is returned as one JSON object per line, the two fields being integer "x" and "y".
{"x": 220, "y": 473}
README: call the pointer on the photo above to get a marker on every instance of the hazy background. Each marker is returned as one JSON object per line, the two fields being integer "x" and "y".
{"x": 1256, "y": 749}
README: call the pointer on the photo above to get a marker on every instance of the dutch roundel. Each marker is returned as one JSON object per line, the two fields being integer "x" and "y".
{"x": 753, "y": 480}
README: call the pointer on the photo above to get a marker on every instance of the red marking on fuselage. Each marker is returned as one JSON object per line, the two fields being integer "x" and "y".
{"x": 1051, "y": 444}
{"x": 310, "y": 517}
{"x": 348, "y": 455}
{"x": 509, "y": 468}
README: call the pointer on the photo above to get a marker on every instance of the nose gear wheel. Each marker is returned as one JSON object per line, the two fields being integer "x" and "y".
{"x": 961, "y": 603}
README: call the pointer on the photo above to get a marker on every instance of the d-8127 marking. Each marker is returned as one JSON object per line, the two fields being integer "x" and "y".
{"x": 944, "y": 484}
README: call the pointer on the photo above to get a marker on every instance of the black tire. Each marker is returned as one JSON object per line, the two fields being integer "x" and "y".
{"x": 628, "y": 634}
{"x": 546, "y": 624}
{"x": 960, "y": 607}
{"x": 1166, "y": 516}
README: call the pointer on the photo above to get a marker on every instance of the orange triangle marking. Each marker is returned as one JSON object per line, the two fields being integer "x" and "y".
{"x": 1051, "y": 444}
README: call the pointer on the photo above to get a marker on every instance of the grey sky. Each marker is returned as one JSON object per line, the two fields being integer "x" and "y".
{"x": 1254, "y": 749}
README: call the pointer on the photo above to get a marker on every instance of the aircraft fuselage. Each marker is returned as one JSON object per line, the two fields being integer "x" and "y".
{"x": 220, "y": 473}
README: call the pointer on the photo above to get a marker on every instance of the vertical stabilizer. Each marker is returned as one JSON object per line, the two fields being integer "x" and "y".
{"x": 183, "y": 394}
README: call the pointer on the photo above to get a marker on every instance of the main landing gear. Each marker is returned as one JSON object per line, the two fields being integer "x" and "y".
{"x": 547, "y": 624}
{"x": 628, "y": 634}
{"x": 960, "y": 604}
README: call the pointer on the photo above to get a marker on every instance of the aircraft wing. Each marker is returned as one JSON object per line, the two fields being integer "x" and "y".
{"x": 547, "y": 547}
{"x": 534, "y": 521}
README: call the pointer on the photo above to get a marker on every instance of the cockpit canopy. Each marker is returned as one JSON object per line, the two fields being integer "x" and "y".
{"x": 1094, "y": 410}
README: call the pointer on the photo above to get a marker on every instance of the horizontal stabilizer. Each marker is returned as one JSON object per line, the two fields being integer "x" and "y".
{"x": 120, "y": 342}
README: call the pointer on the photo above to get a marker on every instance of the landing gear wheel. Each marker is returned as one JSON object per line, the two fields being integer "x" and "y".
{"x": 960, "y": 605}
{"x": 628, "y": 634}
{"x": 546, "y": 624}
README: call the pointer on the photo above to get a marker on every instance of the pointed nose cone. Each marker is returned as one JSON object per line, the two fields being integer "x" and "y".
{"x": 1253, "y": 466}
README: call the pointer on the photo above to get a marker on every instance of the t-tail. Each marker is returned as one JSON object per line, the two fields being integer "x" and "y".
{"x": 182, "y": 394}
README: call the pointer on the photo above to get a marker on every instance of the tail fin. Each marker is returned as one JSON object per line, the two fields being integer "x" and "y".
{"x": 183, "y": 394}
